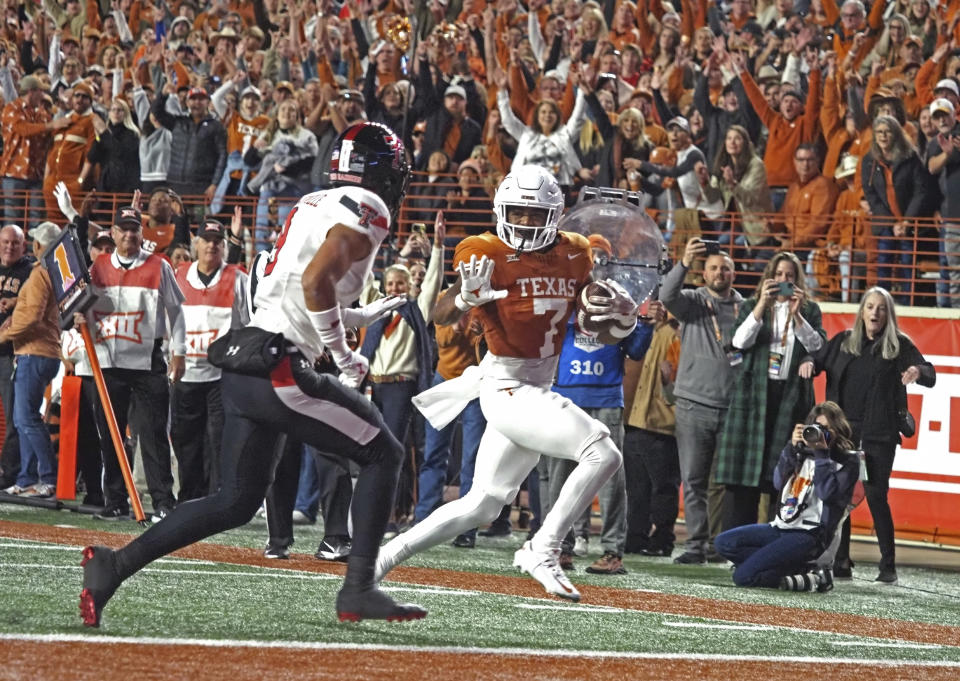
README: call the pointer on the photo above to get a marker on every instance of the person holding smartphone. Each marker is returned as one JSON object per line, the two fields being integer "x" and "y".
{"x": 775, "y": 329}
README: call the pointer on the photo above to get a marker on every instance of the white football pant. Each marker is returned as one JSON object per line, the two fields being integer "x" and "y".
{"x": 523, "y": 422}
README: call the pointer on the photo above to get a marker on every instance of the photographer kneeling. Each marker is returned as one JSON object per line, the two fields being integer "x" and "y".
{"x": 816, "y": 476}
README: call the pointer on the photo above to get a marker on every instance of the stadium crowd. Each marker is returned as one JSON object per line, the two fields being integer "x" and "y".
{"x": 801, "y": 126}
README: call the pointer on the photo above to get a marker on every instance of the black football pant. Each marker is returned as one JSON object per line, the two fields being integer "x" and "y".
{"x": 89, "y": 455}
{"x": 335, "y": 487}
{"x": 144, "y": 396}
{"x": 196, "y": 428}
{"x": 282, "y": 494}
{"x": 307, "y": 406}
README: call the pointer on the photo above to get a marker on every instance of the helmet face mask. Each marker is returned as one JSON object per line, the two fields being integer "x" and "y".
{"x": 528, "y": 205}
{"x": 371, "y": 156}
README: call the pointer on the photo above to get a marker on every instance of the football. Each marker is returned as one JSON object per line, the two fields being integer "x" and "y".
{"x": 608, "y": 331}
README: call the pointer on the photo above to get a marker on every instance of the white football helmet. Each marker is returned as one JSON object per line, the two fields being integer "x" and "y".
{"x": 528, "y": 187}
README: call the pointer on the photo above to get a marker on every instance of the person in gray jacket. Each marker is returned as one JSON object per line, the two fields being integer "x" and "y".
{"x": 708, "y": 362}
{"x": 198, "y": 152}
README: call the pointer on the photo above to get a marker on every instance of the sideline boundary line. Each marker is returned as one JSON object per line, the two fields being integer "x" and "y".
{"x": 468, "y": 650}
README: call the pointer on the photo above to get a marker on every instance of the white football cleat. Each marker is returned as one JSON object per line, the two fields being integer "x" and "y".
{"x": 544, "y": 568}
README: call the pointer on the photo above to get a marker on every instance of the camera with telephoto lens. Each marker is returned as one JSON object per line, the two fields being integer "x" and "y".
{"x": 814, "y": 434}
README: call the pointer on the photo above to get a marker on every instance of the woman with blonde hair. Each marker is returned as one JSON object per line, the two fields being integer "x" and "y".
{"x": 116, "y": 151}
{"x": 868, "y": 368}
{"x": 592, "y": 26}
{"x": 625, "y": 146}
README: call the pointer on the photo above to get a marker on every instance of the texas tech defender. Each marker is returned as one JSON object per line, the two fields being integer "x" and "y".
{"x": 523, "y": 283}
{"x": 321, "y": 260}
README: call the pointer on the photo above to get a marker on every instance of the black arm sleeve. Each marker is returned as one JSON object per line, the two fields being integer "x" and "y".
{"x": 234, "y": 250}
{"x": 554, "y": 57}
{"x": 26, "y": 57}
{"x": 663, "y": 109}
{"x": 600, "y": 117}
{"x": 370, "y": 102}
{"x": 425, "y": 87}
{"x": 855, "y": 106}
{"x": 476, "y": 109}
{"x": 528, "y": 78}
{"x": 714, "y": 20}
{"x": 676, "y": 171}
{"x": 263, "y": 21}
{"x": 609, "y": 6}
{"x": 363, "y": 46}
{"x": 701, "y": 98}
{"x": 82, "y": 226}
{"x": 481, "y": 43}
{"x": 159, "y": 110}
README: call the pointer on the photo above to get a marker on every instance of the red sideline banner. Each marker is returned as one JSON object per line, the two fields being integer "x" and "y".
{"x": 925, "y": 485}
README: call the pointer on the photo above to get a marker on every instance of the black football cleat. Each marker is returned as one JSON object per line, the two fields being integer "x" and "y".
{"x": 369, "y": 603}
{"x": 100, "y": 581}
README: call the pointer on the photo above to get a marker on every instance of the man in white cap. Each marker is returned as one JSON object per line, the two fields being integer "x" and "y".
{"x": 948, "y": 89}
{"x": 139, "y": 303}
{"x": 688, "y": 158}
{"x": 943, "y": 163}
{"x": 449, "y": 128}
{"x": 215, "y": 301}
{"x": 244, "y": 125}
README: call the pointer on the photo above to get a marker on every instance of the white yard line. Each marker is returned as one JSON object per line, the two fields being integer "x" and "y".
{"x": 879, "y": 644}
{"x": 433, "y": 590}
{"x": 854, "y": 639}
{"x": 710, "y": 625}
{"x": 62, "y": 547}
{"x": 273, "y": 572}
{"x": 465, "y": 650}
{"x": 574, "y": 608}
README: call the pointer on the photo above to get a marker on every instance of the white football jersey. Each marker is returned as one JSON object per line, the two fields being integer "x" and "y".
{"x": 279, "y": 301}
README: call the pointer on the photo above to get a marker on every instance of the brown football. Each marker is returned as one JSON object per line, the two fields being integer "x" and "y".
{"x": 608, "y": 332}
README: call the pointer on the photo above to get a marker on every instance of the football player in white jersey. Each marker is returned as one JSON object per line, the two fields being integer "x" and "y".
{"x": 521, "y": 284}
{"x": 320, "y": 261}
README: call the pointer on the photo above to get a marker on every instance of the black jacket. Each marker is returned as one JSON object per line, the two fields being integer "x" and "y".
{"x": 910, "y": 182}
{"x": 439, "y": 120}
{"x": 887, "y": 392}
{"x": 717, "y": 120}
{"x": 198, "y": 153}
{"x": 376, "y": 112}
{"x": 117, "y": 152}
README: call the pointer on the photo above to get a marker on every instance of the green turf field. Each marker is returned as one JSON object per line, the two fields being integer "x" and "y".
{"x": 190, "y": 599}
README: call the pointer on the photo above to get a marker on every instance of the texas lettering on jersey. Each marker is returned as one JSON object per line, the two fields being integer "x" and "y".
{"x": 541, "y": 287}
{"x": 121, "y": 325}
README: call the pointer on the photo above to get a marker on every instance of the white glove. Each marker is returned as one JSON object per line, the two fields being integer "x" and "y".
{"x": 366, "y": 315}
{"x": 353, "y": 368}
{"x": 620, "y": 307}
{"x": 62, "y": 194}
{"x": 475, "y": 289}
